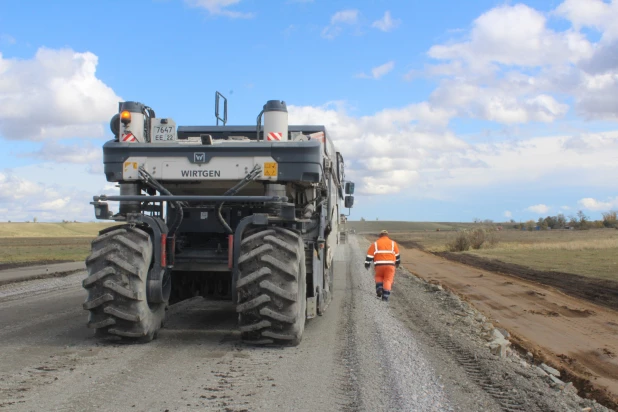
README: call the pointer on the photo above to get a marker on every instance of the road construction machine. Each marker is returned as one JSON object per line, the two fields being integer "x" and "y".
{"x": 249, "y": 214}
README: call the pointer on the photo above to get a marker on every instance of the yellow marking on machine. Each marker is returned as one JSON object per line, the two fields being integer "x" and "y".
{"x": 127, "y": 166}
{"x": 270, "y": 169}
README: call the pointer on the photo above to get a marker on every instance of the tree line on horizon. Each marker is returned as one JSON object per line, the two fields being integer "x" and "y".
{"x": 579, "y": 221}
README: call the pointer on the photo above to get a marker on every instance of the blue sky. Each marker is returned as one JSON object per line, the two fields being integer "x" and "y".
{"x": 496, "y": 110}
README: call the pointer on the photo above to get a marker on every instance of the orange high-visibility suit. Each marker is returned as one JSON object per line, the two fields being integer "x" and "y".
{"x": 384, "y": 253}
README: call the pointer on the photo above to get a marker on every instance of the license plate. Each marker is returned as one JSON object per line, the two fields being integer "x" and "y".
{"x": 163, "y": 132}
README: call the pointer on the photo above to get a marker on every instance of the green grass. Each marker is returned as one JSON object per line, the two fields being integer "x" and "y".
{"x": 39, "y": 250}
{"x": 591, "y": 253}
{"x": 47, "y": 242}
{"x": 375, "y": 226}
{"x": 586, "y": 252}
{"x": 431, "y": 240}
{"x": 596, "y": 263}
{"x": 20, "y": 229}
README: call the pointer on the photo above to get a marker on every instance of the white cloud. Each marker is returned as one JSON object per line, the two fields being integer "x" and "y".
{"x": 345, "y": 16}
{"x": 515, "y": 35}
{"x": 348, "y": 17}
{"x": 565, "y": 207}
{"x": 379, "y": 71}
{"x": 595, "y": 14}
{"x": 382, "y": 70}
{"x": 508, "y": 214}
{"x": 596, "y": 95}
{"x": 220, "y": 7}
{"x": 386, "y": 23}
{"x": 385, "y": 152}
{"x": 592, "y": 142}
{"x": 541, "y": 209}
{"x": 43, "y": 191}
{"x": 54, "y": 95}
{"x": 511, "y": 67}
{"x": 25, "y": 199}
{"x": 56, "y": 204}
{"x": 597, "y": 205}
{"x": 504, "y": 103}
{"x": 411, "y": 150}
{"x": 13, "y": 188}
{"x": 538, "y": 163}
{"x": 84, "y": 153}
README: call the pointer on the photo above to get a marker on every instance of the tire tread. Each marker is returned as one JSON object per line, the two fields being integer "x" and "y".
{"x": 271, "y": 265}
{"x": 118, "y": 267}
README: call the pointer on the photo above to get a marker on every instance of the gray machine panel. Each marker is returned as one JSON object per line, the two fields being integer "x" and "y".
{"x": 223, "y": 132}
{"x": 297, "y": 161}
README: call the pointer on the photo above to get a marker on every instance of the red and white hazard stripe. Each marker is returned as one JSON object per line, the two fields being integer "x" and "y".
{"x": 274, "y": 136}
{"x": 317, "y": 136}
{"x": 129, "y": 137}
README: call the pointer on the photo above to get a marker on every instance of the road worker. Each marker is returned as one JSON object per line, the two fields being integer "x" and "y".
{"x": 384, "y": 253}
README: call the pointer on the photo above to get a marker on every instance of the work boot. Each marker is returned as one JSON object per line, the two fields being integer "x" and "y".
{"x": 385, "y": 295}
{"x": 379, "y": 289}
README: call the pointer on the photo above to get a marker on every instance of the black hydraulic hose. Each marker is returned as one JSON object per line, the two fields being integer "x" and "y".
{"x": 227, "y": 227}
{"x": 177, "y": 221}
{"x": 259, "y": 125}
{"x": 151, "y": 113}
{"x": 152, "y": 182}
{"x": 252, "y": 175}
{"x": 176, "y": 205}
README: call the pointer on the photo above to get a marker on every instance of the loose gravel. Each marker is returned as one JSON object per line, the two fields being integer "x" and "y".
{"x": 388, "y": 363}
{"x": 456, "y": 336}
{"x": 17, "y": 290}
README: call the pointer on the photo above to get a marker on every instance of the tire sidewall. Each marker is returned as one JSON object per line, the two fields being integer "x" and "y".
{"x": 301, "y": 315}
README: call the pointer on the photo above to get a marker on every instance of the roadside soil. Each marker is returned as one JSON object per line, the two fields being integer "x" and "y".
{"x": 574, "y": 335}
{"x": 599, "y": 291}
{"x": 15, "y": 265}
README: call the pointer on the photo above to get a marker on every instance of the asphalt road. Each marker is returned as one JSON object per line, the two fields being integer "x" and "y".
{"x": 358, "y": 356}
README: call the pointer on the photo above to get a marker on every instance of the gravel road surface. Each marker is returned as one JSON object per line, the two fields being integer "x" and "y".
{"x": 362, "y": 355}
{"x": 21, "y": 274}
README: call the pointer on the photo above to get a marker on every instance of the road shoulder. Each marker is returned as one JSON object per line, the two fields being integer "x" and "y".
{"x": 25, "y": 273}
{"x": 536, "y": 318}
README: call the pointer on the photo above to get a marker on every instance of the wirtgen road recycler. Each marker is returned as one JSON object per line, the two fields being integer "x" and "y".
{"x": 250, "y": 214}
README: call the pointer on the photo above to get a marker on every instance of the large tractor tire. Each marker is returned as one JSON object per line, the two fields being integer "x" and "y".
{"x": 117, "y": 272}
{"x": 272, "y": 287}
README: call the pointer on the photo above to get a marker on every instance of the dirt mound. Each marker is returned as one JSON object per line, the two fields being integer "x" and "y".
{"x": 599, "y": 291}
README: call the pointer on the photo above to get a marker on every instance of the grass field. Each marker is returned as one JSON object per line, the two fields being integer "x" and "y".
{"x": 584, "y": 252}
{"x": 587, "y": 252}
{"x": 43, "y": 250}
{"x": 11, "y": 230}
{"x": 375, "y": 226}
{"x": 22, "y": 243}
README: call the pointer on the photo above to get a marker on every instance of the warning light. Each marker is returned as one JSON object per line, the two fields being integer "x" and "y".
{"x": 125, "y": 117}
